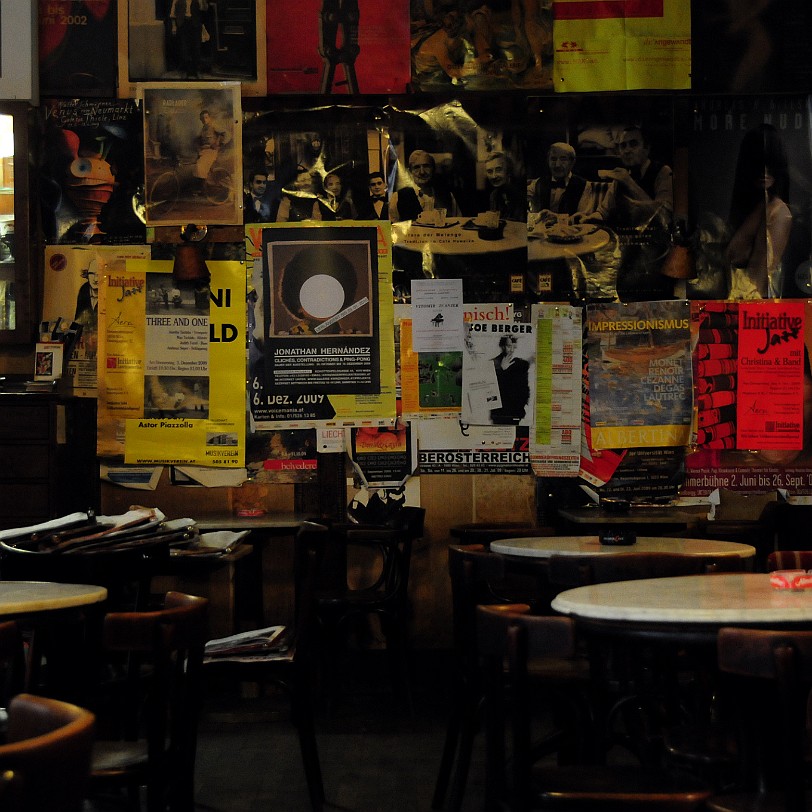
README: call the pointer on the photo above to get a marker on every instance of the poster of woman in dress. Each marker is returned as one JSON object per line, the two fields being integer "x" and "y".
{"x": 750, "y": 196}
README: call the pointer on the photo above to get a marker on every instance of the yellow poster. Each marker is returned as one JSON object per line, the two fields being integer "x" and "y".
{"x": 172, "y": 366}
{"x": 71, "y": 297}
{"x": 621, "y": 45}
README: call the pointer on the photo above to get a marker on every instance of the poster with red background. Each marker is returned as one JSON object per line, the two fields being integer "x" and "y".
{"x": 299, "y": 30}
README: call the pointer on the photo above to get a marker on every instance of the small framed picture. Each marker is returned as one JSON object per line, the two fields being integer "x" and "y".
{"x": 48, "y": 361}
{"x": 192, "y": 153}
{"x": 191, "y": 41}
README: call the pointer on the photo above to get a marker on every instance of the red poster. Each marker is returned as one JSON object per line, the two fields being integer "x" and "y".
{"x": 770, "y": 375}
{"x": 338, "y": 46}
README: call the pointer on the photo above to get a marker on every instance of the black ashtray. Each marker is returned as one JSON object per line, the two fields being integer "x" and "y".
{"x": 492, "y": 233}
{"x": 615, "y": 505}
{"x": 618, "y": 538}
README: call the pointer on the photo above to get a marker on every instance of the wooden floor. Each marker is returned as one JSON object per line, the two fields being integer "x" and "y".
{"x": 375, "y": 756}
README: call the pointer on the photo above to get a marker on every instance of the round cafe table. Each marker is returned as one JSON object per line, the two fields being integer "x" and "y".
{"x": 623, "y": 619}
{"x": 688, "y": 607}
{"x": 23, "y": 598}
{"x": 454, "y": 238}
{"x": 541, "y": 249}
{"x": 546, "y": 546}
{"x": 66, "y": 629}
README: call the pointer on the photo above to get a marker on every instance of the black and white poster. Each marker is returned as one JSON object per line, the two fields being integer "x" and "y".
{"x": 320, "y": 311}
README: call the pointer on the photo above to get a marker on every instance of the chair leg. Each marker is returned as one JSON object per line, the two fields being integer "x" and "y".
{"x": 398, "y": 656}
{"x": 450, "y": 746}
{"x": 303, "y": 718}
{"x": 468, "y": 731}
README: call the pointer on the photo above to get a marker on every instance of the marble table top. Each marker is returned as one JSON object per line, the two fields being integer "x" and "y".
{"x": 718, "y": 599}
{"x": 28, "y": 597}
{"x": 546, "y": 546}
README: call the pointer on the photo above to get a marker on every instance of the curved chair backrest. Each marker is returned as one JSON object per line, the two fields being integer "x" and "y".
{"x": 47, "y": 753}
{"x": 473, "y": 571}
{"x": 487, "y": 532}
{"x": 509, "y": 639}
{"x": 12, "y": 661}
{"x": 571, "y": 571}
{"x": 789, "y": 560}
{"x": 171, "y": 640}
{"x": 777, "y": 719}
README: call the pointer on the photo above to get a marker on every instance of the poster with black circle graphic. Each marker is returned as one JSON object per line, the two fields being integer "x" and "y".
{"x": 320, "y": 311}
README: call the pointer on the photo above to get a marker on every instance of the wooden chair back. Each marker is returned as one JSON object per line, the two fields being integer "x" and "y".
{"x": 163, "y": 709}
{"x": 487, "y": 532}
{"x": 789, "y": 560}
{"x": 774, "y": 671}
{"x": 510, "y": 639}
{"x": 45, "y": 761}
{"x": 290, "y": 669}
{"x": 572, "y": 571}
{"x": 13, "y": 678}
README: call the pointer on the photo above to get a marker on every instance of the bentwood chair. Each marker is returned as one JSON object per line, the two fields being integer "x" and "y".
{"x": 773, "y": 676}
{"x": 12, "y": 662}
{"x": 481, "y": 577}
{"x": 148, "y": 718}
{"x": 290, "y": 667}
{"x": 789, "y": 560}
{"x": 508, "y": 640}
{"x": 486, "y": 532}
{"x": 571, "y": 571}
{"x": 365, "y": 574}
{"x": 45, "y": 760}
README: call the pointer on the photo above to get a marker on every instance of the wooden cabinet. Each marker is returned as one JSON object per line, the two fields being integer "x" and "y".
{"x": 47, "y": 448}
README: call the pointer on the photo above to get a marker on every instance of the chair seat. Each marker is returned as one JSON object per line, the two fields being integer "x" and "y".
{"x": 744, "y": 802}
{"x": 712, "y": 745}
{"x": 559, "y": 670}
{"x": 630, "y": 787}
{"x": 111, "y": 757}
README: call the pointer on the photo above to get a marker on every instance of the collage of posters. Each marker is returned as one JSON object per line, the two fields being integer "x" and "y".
{"x": 527, "y": 239}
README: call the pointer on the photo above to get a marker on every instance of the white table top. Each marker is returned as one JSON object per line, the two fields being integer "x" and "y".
{"x": 722, "y": 599}
{"x": 454, "y": 239}
{"x": 25, "y": 597}
{"x": 545, "y": 546}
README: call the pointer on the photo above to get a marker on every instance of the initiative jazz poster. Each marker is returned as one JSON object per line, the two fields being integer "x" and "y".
{"x": 742, "y": 443}
{"x": 73, "y": 275}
